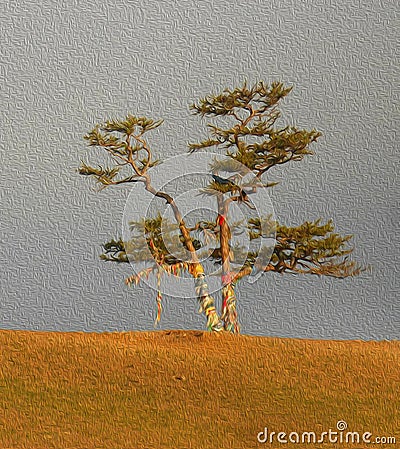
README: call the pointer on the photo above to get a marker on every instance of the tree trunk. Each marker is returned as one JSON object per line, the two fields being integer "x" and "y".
{"x": 229, "y": 313}
{"x": 206, "y": 301}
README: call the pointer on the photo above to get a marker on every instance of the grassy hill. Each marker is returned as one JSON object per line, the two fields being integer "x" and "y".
{"x": 190, "y": 389}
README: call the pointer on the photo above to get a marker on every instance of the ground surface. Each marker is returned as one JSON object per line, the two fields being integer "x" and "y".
{"x": 187, "y": 389}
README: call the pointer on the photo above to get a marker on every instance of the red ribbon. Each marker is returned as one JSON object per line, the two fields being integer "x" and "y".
{"x": 226, "y": 279}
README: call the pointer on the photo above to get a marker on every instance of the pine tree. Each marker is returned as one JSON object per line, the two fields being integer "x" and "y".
{"x": 252, "y": 142}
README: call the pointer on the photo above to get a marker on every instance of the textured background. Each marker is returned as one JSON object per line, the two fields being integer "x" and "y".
{"x": 65, "y": 65}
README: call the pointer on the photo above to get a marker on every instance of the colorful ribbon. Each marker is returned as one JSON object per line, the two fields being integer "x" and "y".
{"x": 159, "y": 297}
{"x": 229, "y": 312}
{"x": 206, "y": 302}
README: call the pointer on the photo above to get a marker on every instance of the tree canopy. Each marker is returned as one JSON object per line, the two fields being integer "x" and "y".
{"x": 252, "y": 143}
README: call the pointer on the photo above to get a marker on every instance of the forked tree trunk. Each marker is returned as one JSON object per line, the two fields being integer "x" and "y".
{"x": 204, "y": 298}
{"x": 206, "y": 301}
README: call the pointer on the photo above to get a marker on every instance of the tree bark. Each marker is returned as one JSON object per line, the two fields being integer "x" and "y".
{"x": 206, "y": 301}
{"x": 229, "y": 312}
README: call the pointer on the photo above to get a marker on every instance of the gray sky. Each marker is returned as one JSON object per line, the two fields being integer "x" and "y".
{"x": 66, "y": 65}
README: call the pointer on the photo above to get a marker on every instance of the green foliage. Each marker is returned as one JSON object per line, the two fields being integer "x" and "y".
{"x": 284, "y": 145}
{"x": 104, "y": 176}
{"x": 154, "y": 241}
{"x": 206, "y": 144}
{"x": 114, "y": 251}
{"x": 123, "y": 141}
{"x": 229, "y": 165}
{"x": 131, "y": 124}
{"x": 308, "y": 248}
{"x": 216, "y": 188}
{"x": 252, "y": 143}
{"x": 241, "y": 97}
{"x": 255, "y": 113}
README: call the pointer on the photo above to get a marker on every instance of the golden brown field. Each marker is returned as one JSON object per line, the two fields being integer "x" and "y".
{"x": 190, "y": 389}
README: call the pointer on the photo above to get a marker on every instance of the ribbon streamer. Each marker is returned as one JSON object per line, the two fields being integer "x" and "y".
{"x": 229, "y": 312}
{"x": 159, "y": 297}
{"x": 206, "y": 302}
